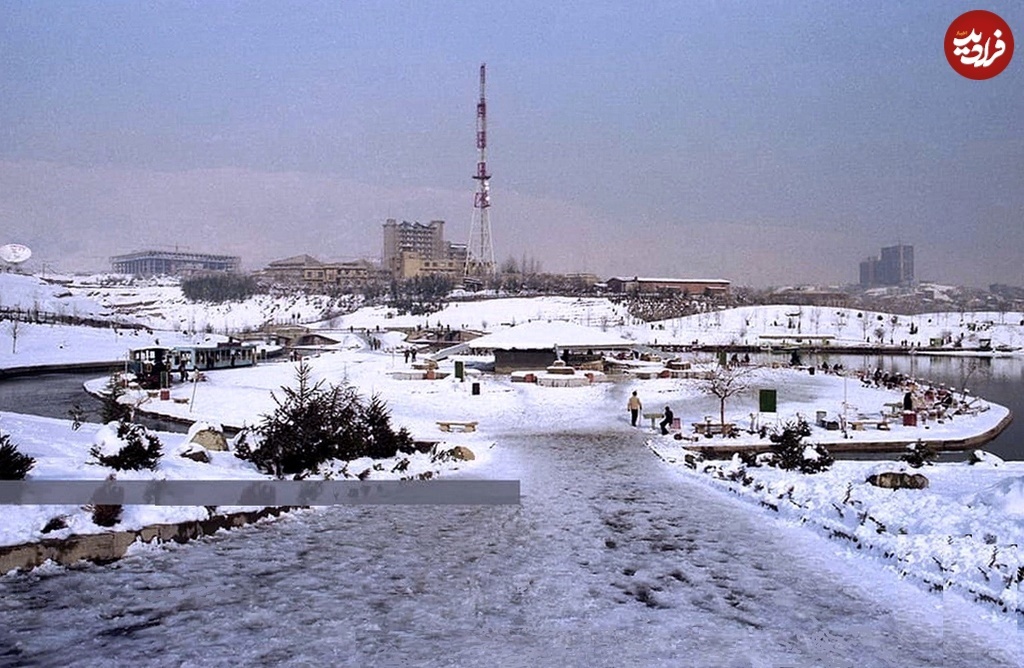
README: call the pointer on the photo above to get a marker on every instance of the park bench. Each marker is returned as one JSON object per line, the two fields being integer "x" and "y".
{"x": 711, "y": 428}
{"x": 861, "y": 425}
{"x": 449, "y": 425}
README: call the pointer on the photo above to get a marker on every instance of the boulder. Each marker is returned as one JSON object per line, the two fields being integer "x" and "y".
{"x": 210, "y": 439}
{"x": 196, "y": 453}
{"x": 458, "y": 453}
{"x": 898, "y": 480}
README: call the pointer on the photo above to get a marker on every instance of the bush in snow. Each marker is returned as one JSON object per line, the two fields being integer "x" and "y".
{"x": 136, "y": 448}
{"x": 240, "y": 445}
{"x": 314, "y": 423}
{"x": 792, "y": 454}
{"x": 13, "y": 464}
{"x": 919, "y": 454}
{"x": 982, "y": 457}
{"x": 106, "y": 515}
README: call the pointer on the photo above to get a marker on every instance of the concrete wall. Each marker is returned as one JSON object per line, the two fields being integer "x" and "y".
{"x": 110, "y": 546}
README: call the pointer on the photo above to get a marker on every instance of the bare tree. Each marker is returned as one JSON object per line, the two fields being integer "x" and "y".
{"x": 14, "y": 327}
{"x": 725, "y": 382}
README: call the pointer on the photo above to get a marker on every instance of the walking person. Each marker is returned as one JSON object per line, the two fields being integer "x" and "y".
{"x": 634, "y": 407}
{"x": 667, "y": 421}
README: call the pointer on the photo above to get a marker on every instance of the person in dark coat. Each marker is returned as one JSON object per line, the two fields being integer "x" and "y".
{"x": 667, "y": 421}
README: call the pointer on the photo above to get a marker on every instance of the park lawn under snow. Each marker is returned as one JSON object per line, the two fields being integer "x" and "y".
{"x": 63, "y": 453}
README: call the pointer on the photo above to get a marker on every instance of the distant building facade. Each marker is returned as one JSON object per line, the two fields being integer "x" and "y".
{"x": 811, "y": 297}
{"x": 417, "y": 249}
{"x": 645, "y": 286}
{"x": 172, "y": 263}
{"x": 311, "y": 272}
{"x": 894, "y": 267}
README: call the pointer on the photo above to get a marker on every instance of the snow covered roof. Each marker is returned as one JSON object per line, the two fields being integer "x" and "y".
{"x": 541, "y": 334}
{"x": 648, "y": 279}
{"x": 297, "y": 260}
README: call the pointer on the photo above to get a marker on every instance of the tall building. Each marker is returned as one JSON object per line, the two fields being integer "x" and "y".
{"x": 414, "y": 249}
{"x": 869, "y": 272}
{"x": 897, "y": 265}
{"x": 894, "y": 267}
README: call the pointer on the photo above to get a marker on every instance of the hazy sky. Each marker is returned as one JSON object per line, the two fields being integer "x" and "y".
{"x": 768, "y": 143}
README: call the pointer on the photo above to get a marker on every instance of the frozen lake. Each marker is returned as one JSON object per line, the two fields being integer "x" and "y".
{"x": 611, "y": 560}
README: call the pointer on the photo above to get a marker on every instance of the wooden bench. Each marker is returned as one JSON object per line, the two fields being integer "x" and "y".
{"x": 456, "y": 426}
{"x": 181, "y": 400}
{"x": 861, "y": 425}
{"x": 705, "y": 428}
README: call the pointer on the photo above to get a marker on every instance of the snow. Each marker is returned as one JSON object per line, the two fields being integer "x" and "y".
{"x": 546, "y": 335}
{"x": 587, "y": 479}
{"x": 948, "y": 536}
{"x": 1006, "y": 497}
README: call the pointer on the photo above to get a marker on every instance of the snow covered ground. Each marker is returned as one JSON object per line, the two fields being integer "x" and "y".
{"x": 613, "y": 559}
{"x": 554, "y": 439}
{"x": 965, "y": 531}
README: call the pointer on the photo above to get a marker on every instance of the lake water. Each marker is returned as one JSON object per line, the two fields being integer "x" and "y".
{"x": 999, "y": 380}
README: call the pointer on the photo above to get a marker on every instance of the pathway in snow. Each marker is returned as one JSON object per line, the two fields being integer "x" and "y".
{"x": 611, "y": 560}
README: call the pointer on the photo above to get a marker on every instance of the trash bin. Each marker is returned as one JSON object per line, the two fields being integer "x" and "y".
{"x": 909, "y": 419}
{"x": 476, "y": 388}
{"x": 810, "y": 370}
{"x": 165, "y": 395}
{"x": 677, "y": 424}
{"x": 819, "y": 418}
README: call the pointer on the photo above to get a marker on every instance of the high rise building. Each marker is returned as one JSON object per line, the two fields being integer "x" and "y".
{"x": 869, "y": 272}
{"x": 897, "y": 265}
{"x": 894, "y": 267}
{"x": 413, "y": 249}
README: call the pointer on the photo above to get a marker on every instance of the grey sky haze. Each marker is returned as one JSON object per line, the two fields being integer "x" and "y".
{"x": 763, "y": 142}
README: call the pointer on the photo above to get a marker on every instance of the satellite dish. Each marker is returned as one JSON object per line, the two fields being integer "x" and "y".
{"x": 15, "y": 253}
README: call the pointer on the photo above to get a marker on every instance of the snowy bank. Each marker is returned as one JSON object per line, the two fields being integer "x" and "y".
{"x": 964, "y": 531}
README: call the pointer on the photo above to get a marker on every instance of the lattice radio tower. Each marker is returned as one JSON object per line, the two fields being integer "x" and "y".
{"x": 480, "y": 250}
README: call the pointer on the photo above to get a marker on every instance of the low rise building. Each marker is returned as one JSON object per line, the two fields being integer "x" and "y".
{"x": 648, "y": 286}
{"x": 172, "y": 263}
{"x": 312, "y": 273}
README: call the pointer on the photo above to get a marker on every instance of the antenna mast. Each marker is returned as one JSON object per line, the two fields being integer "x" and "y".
{"x": 480, "y": 250}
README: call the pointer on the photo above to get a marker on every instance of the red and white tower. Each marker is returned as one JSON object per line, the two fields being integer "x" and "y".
{"x": 480, "y": 250}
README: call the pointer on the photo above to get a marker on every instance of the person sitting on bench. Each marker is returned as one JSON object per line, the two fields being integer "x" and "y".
{"x": 667, "y": 421}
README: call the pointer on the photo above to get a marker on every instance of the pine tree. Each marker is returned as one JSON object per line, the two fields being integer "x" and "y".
{"x": 142, "y": 449}
{"x": 13, "y": 464}
{"x": 315, "y": 423}
{"x": 790, "y": 451}
{"x": 381, "y": 439}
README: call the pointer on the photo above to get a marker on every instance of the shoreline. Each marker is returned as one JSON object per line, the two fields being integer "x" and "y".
{"x": 866, "y": 447}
